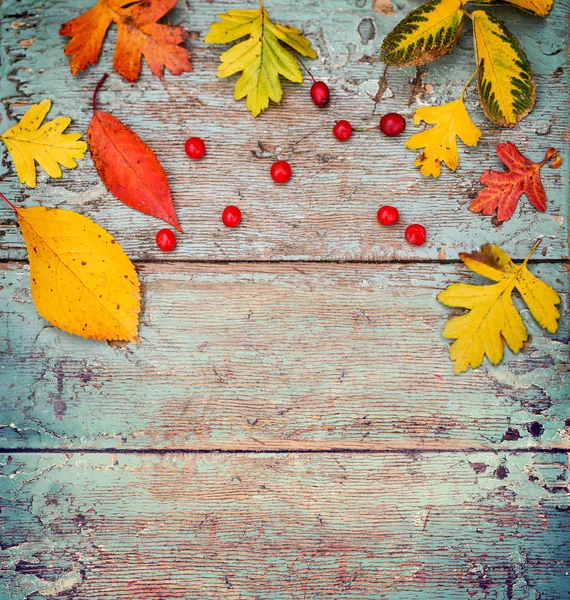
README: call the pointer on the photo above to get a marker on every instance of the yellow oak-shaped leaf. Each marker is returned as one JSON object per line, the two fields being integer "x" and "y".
{"x": 506, "y": 84}
{"x": 540, "y": 8}
{"x": 492, "y": 316}
{"x": 82, "y": 280}
{"x": 439, "y": 143}
{"x": 47, "y": 145}
{"x": 261, "y": 57}
{"x": 426, "y": 33}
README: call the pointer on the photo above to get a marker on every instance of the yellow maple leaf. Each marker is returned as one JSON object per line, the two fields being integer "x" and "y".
{"x": 261, "y": 58}
{"x": 82, "y": 281}
{"x": 450, "y": 121}
{"x": 47, "y": 145}
{"x": 492, "y": 315}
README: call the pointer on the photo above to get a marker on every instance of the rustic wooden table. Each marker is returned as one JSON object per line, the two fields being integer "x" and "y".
{"x": 290, "y": 426}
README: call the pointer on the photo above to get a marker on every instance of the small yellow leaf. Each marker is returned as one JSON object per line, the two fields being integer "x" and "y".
{"x": 261, "y": 57}
{"x": 540, "y": 8}
{"x": 47, "y": 145}
{"x": 440, "y": 145}
{"x": 492, "y": 316}
{"x": 82, "y": 280}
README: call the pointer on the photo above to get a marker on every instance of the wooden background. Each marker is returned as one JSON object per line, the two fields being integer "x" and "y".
{"x": 290, "y": 426}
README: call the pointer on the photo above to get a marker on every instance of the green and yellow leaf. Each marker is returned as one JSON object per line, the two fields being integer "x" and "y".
{"x": 492, "y": 316}
{"x": 506, "y": 84}
{"x": 541, "y": 8}
{"x": 261, "y": 58}
{"x": 423, "y": 35}
{"x": 29, "y": 142}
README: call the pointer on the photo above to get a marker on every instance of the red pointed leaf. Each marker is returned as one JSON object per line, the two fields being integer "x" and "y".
{"x": 504, "y": 189}
{"x": 128, "y": 167}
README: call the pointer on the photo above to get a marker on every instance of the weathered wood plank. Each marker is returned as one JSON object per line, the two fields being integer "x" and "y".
{"x": 352, "y": 527}
{"x": 327, "y": 211}
{"x": 279, "y": 356}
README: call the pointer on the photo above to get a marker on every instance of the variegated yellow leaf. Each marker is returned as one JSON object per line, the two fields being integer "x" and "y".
{"x": 541, "y": 8}
{"x": 424, "y": 34}
{"x": 506, "y": 84}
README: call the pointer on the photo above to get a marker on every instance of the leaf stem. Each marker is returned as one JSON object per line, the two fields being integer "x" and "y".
{"x": 306, "y": 69}
{"x": 467, "y": 84}
{"x": 8, "y": 202}
{"x": 535, "y": 246}
{"x": 99, "y": 84}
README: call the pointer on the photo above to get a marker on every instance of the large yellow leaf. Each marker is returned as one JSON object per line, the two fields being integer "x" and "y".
{"x": 540, "y": 8}
{"x": 439, "y": 143}
{"x": 47, "y": 145}
{"x": 427, "y": 32}
{"x": 492, "y": 316}
{"x": 261, "y": 58}
{"x": 82, "y": 281}
{"x": 506, "y": 84}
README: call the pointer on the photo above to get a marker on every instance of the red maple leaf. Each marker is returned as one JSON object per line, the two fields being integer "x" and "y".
{"x": 504, "y": 189}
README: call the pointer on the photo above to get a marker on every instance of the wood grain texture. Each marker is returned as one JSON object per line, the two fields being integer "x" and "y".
{"x": 327, "y": 211}
{"x": 280, "y": 356}
{"x": 352, "y": 527}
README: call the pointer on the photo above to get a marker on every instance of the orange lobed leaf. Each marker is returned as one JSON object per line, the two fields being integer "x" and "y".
{"x": 138, "y": 35}
{"x": 505, "y": 188}
{"x": 128, "y": 167}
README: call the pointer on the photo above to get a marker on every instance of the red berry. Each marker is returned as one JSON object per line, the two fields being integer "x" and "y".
{"x": 387, "y": 215}
{"x": 320, "y": 93}
{"x": 195, "y": 147}
{"x": 281, "y": 171}
{"x": 342, "y": 130}
{"x": 416, "y": 234}
{"x": 166, "y": 240}
{"x": 392, "y": 124}
{"x": 231, "y": 217}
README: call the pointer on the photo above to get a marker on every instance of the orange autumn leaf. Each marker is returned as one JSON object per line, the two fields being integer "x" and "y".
{"x": 128, "y": 167}
{"x": 505, "y": 188}
{"x": 138, "y": 35}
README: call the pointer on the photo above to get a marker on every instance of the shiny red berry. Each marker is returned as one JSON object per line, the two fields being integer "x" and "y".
{"x": 387, "y": 215}
{"x": 392, "y": 124}
{"x": 280, "y": 171}
{"x": 166, "y": 240}
{"x": 342, "y": 130}
{"x": 195, "y": 147}
{"x": 231, "y": 217}
{"x": 320, "y": 93}
{"x": 416, "y": 234}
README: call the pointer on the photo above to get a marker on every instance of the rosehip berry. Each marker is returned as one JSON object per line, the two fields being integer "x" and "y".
{"x": 166, "y": 240}
{"x": 416, "y": 234}
{"x": 320, "y": 93}
{"x": 387, "y": 215}
{"x": 231, "y": 217}
{"x": 280, "y": 171}
{"x": 342, "y": 130}
{"x": 392, "y": 124}
{"x": 195, "y": 147}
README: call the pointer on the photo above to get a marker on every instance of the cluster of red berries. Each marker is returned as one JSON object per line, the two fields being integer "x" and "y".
{"x": 391, "y": 124}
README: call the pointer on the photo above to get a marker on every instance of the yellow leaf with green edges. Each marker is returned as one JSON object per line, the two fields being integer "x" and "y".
{"x": 492, "y": 316}
{"x": 541, "y": 8}
{"x": 450, "y": 121}
{"x": 506, "y": 84}
{"x": 261, "y": 58}
{"x": 47, "y": 145}
{"x": 426, "y": 33}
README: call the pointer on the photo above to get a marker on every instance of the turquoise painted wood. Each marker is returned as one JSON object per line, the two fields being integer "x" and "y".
{"x": 287, "y": 429}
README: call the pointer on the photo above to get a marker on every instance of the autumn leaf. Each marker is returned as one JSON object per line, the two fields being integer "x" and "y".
{"x": 426, "y": 33}
{"x": 29, "y": 142}
{"x": 81, "y": 279}
{"x": 541, "y": 8}
{"x": 261, "y": 57}
{"x": 439, "y": 143}
{"x": 507, "y": 90}
{"x": 505, "y": 189}
{"x": 138, "y": 35}
{"x": 128, "y": 167}
{"x": 492, "y": 316}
